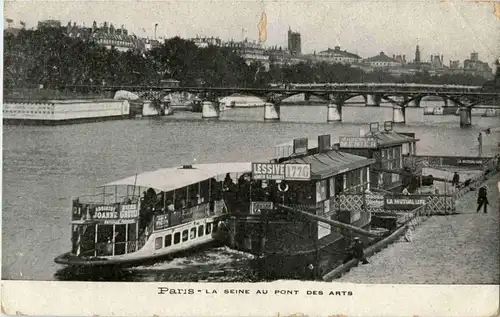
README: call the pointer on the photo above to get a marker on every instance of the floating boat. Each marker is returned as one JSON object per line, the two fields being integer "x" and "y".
{"x": 180, "y": 210}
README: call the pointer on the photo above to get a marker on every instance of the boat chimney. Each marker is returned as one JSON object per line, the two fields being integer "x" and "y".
{"x": 187, "y": 166}
{"x": 362, "y": 132}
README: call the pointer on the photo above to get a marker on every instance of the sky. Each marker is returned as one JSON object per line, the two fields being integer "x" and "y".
{"x": 450, "y": 28}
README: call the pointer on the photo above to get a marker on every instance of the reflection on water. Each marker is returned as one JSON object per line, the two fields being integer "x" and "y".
{"x": 43, "y": 167}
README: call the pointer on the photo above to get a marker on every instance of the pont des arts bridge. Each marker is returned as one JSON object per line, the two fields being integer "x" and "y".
{"x": 403, "y": 97}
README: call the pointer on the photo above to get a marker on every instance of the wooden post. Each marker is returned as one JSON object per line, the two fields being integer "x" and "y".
{"x": 126, "y": 234}
{"x": 95, "y": 240}
{"x": 113, "y": 240}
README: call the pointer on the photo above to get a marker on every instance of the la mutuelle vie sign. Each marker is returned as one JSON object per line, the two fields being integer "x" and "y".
{"x": 274, "y": 171}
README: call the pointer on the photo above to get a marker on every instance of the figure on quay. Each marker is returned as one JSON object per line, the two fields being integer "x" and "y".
{"x": 456, "y": 180}
{"x": 482, "y": 199}
{"x": 356, "y": 252}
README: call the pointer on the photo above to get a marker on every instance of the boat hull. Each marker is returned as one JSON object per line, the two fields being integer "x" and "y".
{"x": 74, "y": 261}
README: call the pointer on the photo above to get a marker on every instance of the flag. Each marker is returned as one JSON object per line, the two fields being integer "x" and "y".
{"x": 22, "y": 23}
{"x": 9, "y": 20}
{"x": 262, "y": 26}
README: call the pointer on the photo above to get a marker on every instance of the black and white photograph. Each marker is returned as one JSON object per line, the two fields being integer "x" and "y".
{"x": 218, "y": 142}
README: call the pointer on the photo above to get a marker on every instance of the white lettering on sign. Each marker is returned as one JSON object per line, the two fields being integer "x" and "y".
{"x": 105, "y": 208}
{"x": 298, "y": 171}
{"x": 106, "y": 215}
{"x": 406, "y": 201}
{"x": 357, "y": 142}
{"x": 129, "y": 211}
{"x": 281, "y": 171}
{"x": 470, "y": 161}
{"x": 268, "y": 171}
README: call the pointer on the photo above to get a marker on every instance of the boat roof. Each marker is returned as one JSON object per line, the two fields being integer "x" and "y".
{"x": 330, "y": 163}
{"x": 167, "y": 179}
{"x": 391, "y": 138}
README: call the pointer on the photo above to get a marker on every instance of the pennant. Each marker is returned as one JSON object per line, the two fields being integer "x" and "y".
{"x": 262, "y": 26}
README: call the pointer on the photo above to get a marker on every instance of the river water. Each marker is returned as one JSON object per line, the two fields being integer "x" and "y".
{"x": 44, "y": 166}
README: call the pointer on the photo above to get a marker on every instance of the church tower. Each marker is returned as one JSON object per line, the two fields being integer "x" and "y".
{"x": 417, "y": 55}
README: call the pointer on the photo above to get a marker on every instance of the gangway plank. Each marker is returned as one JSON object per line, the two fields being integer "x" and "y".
{"x": 332, "y": 222}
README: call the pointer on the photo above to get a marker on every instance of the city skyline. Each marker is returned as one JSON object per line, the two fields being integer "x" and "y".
{"x": 452, "y": 29}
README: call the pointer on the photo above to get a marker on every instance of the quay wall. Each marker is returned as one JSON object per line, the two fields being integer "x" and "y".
{"x": 453, "y": 249}
{"x": 58, "y": 111}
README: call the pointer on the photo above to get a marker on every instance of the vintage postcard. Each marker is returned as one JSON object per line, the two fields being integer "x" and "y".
{"x": 250, "y": 158}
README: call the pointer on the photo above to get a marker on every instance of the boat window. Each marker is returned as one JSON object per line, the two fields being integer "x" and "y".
{"x": 168, "y": 240}
{"x": 193, "y": 233}
{"x": 177, "y": 237}
{"x": 120, "y": 239}
{"x": 208, "y": 228}
{"x": 158, "y": 243}
{"x": 216, "y": 226}
{"x": 131, "y": 236}
{"x": 185, "y": 235}
{"x": 104, "y": 239}
{"x": 200, "y": 231}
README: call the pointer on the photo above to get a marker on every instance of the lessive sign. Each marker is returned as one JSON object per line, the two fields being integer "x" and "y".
{"x": 273, "y": 171}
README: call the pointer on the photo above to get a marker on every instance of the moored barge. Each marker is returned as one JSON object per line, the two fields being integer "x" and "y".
{"x": 180, "y": 209}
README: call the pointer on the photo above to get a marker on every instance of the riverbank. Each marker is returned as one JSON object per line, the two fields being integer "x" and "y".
{"x": 454, "y": 249}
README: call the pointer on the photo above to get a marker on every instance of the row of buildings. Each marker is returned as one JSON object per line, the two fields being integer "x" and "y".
{"x": 396, "y": 65}
{"x": 109, "y": 36}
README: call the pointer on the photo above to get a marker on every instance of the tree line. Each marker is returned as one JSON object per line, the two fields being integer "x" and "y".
{"x": 50, "y": 58}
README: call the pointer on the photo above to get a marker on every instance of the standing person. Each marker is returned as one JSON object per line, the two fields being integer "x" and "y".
{"x": 456, "y": 180}
{"x": 356, "y": 252}
{"x": 482, "y": 199}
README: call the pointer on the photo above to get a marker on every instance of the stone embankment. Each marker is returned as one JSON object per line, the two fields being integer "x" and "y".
{"x": 453, "y": 249}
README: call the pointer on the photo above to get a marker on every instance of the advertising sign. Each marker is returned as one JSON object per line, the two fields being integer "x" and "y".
{"x": 358, "y": 142}
{"x": 161, "y": 222}
{"x": 404, "y": 202}
{"x": 374, "y": 201}
{"x": 256, "y": 206}
{"x": 105, "y": 212}
{"x": 281, "y": 171}
{"x": 129, "y": 211}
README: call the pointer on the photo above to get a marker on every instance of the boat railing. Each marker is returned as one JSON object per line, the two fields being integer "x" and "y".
{"x": 200, "y": 211}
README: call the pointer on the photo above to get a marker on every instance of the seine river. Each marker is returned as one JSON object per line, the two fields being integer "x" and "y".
{"x": 44, "y": 166}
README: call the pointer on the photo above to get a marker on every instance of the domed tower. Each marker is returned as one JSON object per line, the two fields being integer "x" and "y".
{"x": 417, "y": 55}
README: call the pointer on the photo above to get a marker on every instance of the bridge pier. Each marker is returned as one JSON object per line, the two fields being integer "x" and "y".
{"x": 398, "y": 115}
{"x": 414, "y": 103}
{"x": 271, "y": 112}
{"x": 307, "y": 96}
{"x": 450, "y": 103}
{"x": 167, "y": 108}
{"x": 333, "y": 112}
{"x": 210, "y": 110}
{"x": 373, "y": 100}
{"x": 465, "y": 117}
